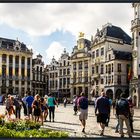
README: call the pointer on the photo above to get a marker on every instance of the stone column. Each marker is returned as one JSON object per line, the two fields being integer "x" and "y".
{"x": 13, "y": 73}
{"x": 19, "y": 76}
{"x": 31, "y": 74}
{"x": 25, "y": 72}
{"x": 0, "y": 73}
{"x": 7, "y": 73}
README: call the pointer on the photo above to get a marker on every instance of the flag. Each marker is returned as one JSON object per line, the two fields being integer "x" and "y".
{"x": 129, "y": 75}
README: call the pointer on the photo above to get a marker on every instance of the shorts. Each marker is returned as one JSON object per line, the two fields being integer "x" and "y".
{"x": 102, "y": 118}
{"x": 29, "y": 110}
{"x": 83, "y": 114}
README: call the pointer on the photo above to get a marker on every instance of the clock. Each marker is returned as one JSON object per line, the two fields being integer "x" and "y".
{"x": 134, "y": 54}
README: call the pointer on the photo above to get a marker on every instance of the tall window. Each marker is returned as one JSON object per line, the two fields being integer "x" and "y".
{"x": 93, "y": 54}
{"x": 106, "y": 68}
{"x": 64, "y": 72}
{"x": 97, "y": 69}
{"x": 119, "y": 67}
{"x": 92, "y": 69}
{"x": 102, "y": 51}
{"x": 80, "y": 64}
{"x": 4, "y": 58}
{"x": 112, "y": 68}
{"x": 86, "y": 64}
{"x": 97, "y": 53}
{"x": 119, "y": 79}
{"x": 10, "y": 59}
{"x": 68, "y": 71}
{"x": 74, "y": 66}
{"x": 109, "y": 56}
{"x": 80, "y": 76}
{"x": 86, "y": 76}
{"x": 102, "y": 69}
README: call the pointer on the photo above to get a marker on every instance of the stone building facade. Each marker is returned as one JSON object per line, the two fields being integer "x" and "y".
{"x": 15, "y": 67}
{"x": 39, "y": 81}
{"x": 109, "y": 67}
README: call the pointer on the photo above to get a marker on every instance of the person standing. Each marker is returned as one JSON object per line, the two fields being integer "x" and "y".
{"x": 51, "y": 105}
{"x": 102, "y": 105}
{"x": 37, "y": 108}
{"x": 131, "y": 107}
{"x": 65, "y": 101}
{"x": 83, "y": 108}
{"x": 24, "y": 104}
{"x": 18, "y": 105}
{"x": 29, "y": 101}
{"x": 75, "y": 104}
{"x": 122, "y": 110}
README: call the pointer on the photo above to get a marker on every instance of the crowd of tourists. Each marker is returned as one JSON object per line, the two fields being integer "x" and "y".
{"x": 123, "y": 109}
{"x": 35, "y": 108}
{"x": 38, "y": 108}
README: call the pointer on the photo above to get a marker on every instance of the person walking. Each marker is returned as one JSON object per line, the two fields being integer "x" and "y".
{"x": 102, "y": 105}
{"x": 65, "y": 101}
{"x": 29, "y": 101}
{"x": 83, "y": 109}
{"x": 45, "y": 108}
{"x": 122, "y": 110}
{"x": 51, "y": 105}
{"x": 131, "y": 107}
{"x": 75, "y": 104}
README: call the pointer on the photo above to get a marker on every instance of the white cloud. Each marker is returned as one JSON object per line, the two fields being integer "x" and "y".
{"x": 43, "y": 19}
{"x": 55, "y": 49}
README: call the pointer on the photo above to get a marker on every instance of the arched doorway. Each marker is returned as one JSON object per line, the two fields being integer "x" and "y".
{"x": 118, "y": 93}
{"x": 109, "y": 93}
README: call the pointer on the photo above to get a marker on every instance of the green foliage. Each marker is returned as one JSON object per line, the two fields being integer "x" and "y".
{"x": 22, "y": 125}
{"x": 8, "y": 133}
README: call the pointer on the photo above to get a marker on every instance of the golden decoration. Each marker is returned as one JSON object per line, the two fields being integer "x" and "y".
{"x": 81, "y": 34}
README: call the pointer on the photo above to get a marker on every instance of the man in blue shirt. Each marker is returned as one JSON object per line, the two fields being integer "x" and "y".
{"x": 29, "y": 101}
{"x": 102, "y": 105}
{"x": 83, "y": 108}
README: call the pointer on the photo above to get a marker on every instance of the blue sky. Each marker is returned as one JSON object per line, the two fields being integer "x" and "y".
{"x": 49, "y": 28}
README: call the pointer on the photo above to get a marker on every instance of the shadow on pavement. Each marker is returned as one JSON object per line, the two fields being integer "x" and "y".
{"x": 67, "y": 123}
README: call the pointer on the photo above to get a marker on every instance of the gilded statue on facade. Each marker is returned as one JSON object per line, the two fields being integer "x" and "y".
{"x": 81, "y": 34}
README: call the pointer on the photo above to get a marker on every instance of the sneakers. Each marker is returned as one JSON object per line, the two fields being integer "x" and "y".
{"x": 83, "y": 130}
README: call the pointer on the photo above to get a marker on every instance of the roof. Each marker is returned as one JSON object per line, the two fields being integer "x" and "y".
{"x": 9, "y": 44}
{"x": 115, "y": 32}
{"x": 121, "y": 55}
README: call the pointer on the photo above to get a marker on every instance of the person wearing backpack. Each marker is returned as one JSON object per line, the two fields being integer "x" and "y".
{"x": 123, "y": 112}
{"x": 83, "y": 109}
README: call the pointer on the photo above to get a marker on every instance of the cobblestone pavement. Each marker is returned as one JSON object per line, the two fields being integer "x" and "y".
{"x": 66, "y": 121}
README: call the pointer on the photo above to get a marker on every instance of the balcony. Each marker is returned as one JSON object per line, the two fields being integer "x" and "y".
{"x": 96, "y": 75}
{"x": 135, "y": 22}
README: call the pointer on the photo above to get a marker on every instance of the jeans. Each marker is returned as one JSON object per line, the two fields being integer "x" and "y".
{"x": 51, "y": 112}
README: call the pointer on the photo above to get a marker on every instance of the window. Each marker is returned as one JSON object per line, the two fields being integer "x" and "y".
{"x": 68, "y": 71}
{"x": 102, "y": 81}
{"x": 60, "y": 83}
{"x": 139, "y": 33}
{"x": 106, "y": 68}
{"x": 4, "y": 58}
{"x": 102, "y": 69}
{"x": 119, "y": 79}
{"x": 112, "y": 79}
{"x": 64, "y": 63}
{"x": 112, "y": 68}
{"x": 119, "y": 67}
{"x": 97, "y": 53}
{"x": 109, "y": 56}
{"x": 64, "y": 82}
{"x": 64, "y": 72}
{"x": 60, "y": 72}
{"x": 109, "y": 68}
{"x": 86, "y": 64}
{"x": 80, "y": 64}
{"x": 102, "y": 51}
{"x": 92, "y": 70}
{"x": 80, "y": 76}
{"x": 86, "y": 77}
{"x": 28, "y": 61}
{"x": 109, "y": 79}
{"x": 106, "y": 79}
{"x": 93, "y": 54}
{"x": 10, "y": 59}
{"x": 74, "y": 66}
{"x": 97, "y": 69}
